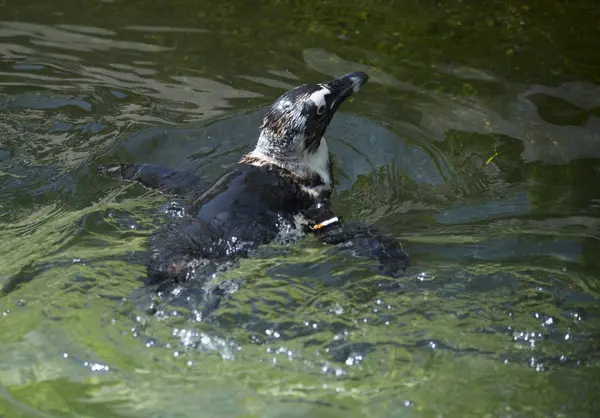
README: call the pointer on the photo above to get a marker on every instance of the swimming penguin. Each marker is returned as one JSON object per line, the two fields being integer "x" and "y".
{"x": 285, "y": 183}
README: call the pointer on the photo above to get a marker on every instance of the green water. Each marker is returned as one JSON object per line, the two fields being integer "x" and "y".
{"x": 476, "y": 143}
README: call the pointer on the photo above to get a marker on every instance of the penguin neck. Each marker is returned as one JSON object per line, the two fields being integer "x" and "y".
{"x": 304, "y": 164}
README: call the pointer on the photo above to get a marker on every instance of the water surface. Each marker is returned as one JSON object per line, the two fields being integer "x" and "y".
{"x": 476, "y": 143}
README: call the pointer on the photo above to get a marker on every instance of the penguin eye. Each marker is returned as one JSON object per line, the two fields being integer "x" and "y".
{"x": 320, "y": 110}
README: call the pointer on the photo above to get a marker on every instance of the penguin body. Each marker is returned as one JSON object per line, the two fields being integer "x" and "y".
{"x": 284, "y": 184}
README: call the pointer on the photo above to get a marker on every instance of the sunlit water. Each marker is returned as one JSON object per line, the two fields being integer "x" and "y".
{"x": 476, "y": 143}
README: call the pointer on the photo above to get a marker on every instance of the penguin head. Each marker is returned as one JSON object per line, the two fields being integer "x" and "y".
{"x": 297, "y": 120}
{"x": 292, "y": 130}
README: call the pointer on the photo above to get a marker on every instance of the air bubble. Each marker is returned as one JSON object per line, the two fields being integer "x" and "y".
{"x": 425, "y": 277}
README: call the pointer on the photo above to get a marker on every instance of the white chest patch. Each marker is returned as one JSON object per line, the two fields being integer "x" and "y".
{"x": 317, "y": 162}
{"x": 300, "y": 221}
{"x": 318, "y": 97}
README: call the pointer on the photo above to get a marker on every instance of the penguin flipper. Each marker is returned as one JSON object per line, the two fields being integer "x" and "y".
{"x": 367, "y": 241}
{"x": 176, "y": 182}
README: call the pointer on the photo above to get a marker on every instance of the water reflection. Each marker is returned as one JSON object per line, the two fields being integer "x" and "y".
{"x": 73, "y": 38}
{"x": 489, "y": 180}
{"x": 519, "y": 116}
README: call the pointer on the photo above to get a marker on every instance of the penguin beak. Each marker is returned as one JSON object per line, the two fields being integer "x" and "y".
{"x": 345, "y": 86}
